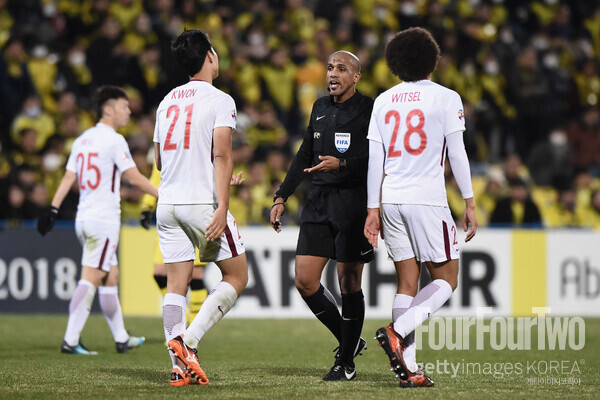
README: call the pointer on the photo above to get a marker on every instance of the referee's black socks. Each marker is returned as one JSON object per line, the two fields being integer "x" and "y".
{"x": 323, "y": 305}
{"x": 353, "y": 316}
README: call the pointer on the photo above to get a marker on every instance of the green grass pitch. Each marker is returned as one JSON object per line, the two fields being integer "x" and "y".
{"x": 258, "y": 359}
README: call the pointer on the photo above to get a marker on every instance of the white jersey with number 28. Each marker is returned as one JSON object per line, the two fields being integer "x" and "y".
{"x": 185, "y": 121}
{"x": 411, "y": 121}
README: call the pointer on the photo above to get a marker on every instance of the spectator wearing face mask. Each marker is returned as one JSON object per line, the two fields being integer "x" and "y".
{"x": 32, "y": 116}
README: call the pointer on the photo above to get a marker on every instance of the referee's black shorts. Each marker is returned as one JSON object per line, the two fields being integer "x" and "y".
{"x": 332, "y": 225}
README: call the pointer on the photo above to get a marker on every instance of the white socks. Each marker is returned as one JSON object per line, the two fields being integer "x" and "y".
{"x": 426, "y": 302}
{"x": 173, "y": 318}
{"x": 79, "y": 311}
{"x": 173, "y": 314}
{"x": 217, "y": 304}
{"x": 402, "y": 303}
{"x": 108, "y": 297}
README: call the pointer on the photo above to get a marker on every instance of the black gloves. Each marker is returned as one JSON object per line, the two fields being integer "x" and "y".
{"x": 46, "y": 220}
{"x": 146, "y": 219}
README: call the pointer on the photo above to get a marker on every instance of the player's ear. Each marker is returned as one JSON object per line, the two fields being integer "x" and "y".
{"x": 356, "y": 77}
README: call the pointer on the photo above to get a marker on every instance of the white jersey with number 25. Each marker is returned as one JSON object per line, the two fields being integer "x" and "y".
{"x": 185, "y": 121}
{"x": 411, "y": 121}
{"x": 98, "y": 157}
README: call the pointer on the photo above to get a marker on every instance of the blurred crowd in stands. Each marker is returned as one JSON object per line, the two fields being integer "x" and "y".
{"x": 527, "y": 71}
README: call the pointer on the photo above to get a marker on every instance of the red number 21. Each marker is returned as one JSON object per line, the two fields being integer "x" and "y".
{"x": 188, "y": 122}
{"x": 410, "y": 129}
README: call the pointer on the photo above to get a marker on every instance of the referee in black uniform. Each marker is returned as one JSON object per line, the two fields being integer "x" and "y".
{"x": 335, "y": 151}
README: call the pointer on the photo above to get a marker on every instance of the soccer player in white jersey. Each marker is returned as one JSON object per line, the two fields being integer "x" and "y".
{"x": 412, "y": 126}
{"x": 192, "y": 146}
{"x": 98, "y": 158}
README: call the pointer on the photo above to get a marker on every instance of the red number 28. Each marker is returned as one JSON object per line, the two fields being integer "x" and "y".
{"x": 410, "y": 130}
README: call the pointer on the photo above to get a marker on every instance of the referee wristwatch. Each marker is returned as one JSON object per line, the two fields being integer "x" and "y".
{"x": 343, "y": 164}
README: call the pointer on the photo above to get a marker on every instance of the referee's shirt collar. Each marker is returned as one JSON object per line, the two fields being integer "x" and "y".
{"x": 352, "y": 100}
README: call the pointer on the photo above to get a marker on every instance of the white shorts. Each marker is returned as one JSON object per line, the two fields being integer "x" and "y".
{"x": 427, "y": 233}
{"x": 181, "y": 229}
{"x": 99, "y": 240}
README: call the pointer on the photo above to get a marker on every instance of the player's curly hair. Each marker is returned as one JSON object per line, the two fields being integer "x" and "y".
{"x": 412, "y": 54}
{"x": 190, "y": 50}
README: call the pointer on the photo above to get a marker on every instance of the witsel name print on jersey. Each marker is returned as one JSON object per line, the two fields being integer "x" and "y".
{"x": 406, "y": 97}
{"x": 183, "y": 93}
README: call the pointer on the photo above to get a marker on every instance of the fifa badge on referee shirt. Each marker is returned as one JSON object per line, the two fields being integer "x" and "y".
{"x": 342, "y": 141}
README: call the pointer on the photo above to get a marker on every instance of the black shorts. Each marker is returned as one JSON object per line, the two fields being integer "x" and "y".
{"x": 332, "y": 225}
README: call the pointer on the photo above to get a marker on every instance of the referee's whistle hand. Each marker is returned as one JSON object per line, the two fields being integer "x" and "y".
{"x": 275, "y": 217}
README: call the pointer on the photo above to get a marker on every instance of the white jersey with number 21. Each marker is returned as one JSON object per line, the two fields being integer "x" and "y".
{"x": 411, "y": 121}
{"x": 185, "y": 121}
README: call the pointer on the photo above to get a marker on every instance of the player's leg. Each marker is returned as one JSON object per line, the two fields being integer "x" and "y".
{"x": 430, "y": 298}
{"x": 221, "y": 298}
{"x": 79, "y": 310}
{"x": 108, "y": 296}
{"x": 229, "y": 254}
{"x": 160, "y": 272}
{"x": 179, "y": 275}
{"x": 400, "y": 250}
{"x": 217, "y": 305}
{"x": 98, "y": 248}
{"x": 432, "y": 236}
{"x": 407, "y": 273}
{"x": 178, "y": 253}
{"x": 230, "y": 257}
{"x": 198, "y": 291}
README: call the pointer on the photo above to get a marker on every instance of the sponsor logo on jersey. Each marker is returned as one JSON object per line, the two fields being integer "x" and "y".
{"x": 342, "y": 141}
{"x": 126, "y": 156}
{"x": 233, "y": 114}
{"x": 317, "y": 135}
{"x": 461, "y": 114}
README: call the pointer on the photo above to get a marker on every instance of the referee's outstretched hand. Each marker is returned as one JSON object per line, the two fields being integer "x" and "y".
{"x": 276, "y": 212}
{"x": 327, "y": 164}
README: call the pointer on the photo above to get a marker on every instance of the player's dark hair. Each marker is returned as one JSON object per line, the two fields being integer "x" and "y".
{"x": 107, "y": 93}
{"x": 412, "y": 54}
{"x": 190, "y": 50}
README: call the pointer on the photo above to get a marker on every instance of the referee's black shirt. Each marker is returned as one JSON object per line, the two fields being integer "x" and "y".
{"x": 327, "y": 118}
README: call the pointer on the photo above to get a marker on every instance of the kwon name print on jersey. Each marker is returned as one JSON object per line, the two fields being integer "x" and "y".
{"x": 98, "y": 157}
{"x": 411, "y": 121}
{"x": 184, "y": 131}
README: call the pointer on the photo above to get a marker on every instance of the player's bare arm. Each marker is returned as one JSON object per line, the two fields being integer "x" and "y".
{"x": 157, "y": 156}
{"x": 327, "y": 164}
{"x": 48, "y": 217}
{"x": 63, "y": 189}
{"x": 135, "y": 177}
{"x": 373, "y": 226}
{"x": 223, "y": 170}
{"x": 470, "y": 218}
